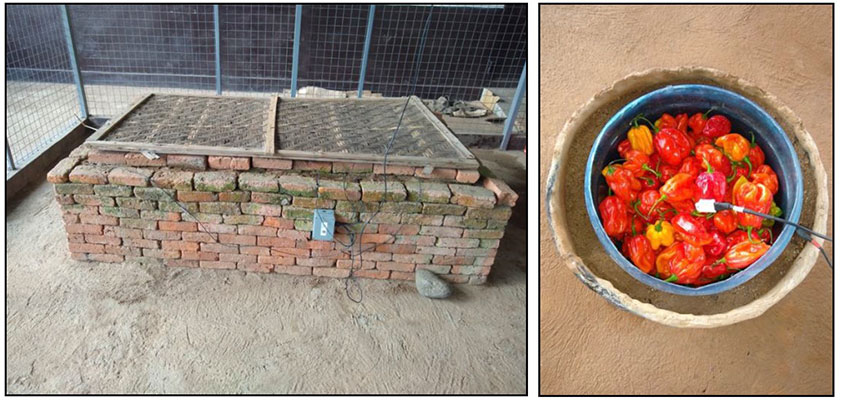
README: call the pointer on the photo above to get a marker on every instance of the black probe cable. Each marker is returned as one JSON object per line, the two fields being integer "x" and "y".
{"x": 801, "y": 231}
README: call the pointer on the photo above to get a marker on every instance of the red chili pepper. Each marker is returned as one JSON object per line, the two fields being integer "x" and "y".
{"x": 681, "y": 263}
{"x": 712, "y": 269}
{"x": 737, "y": 237}
{"x": 666, "y": 121}
{"x": 624, "y": 147}
{"x": 738, "y": 171}
{"x": 667, "y": 172}
{"x": 708, "y": 154}
{"x": 765, "y": 234}
{"x": 711, "y": 185}
{"x": 615, "y": 218}
{"x": 756, "y": 155}
{"x": 697, "y": 122}
{"x": 622, "y": 182}
{"x": 743, "y": 254}
{"x": 651, "y": 205}
{"x": 725, "y": 221}
{"x": 690, "y": 165}
{"x": 679, "y": 187}
{"x": 640, "y": 253}
{"x": 753, "y": 196}
{"x": 765, "y": 175}
{"x": 717, "y": 246}
{"x": 682, "y": 123}
{"x": 672, "y": 146}
{"x": 683, "y": 207}
{"x": 717, "y": 126}
{"x": 637, "y": 162}
{"x": 649, "y": 182}
{"x": 690, "y": 230}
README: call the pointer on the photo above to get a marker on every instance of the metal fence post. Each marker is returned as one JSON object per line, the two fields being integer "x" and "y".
{"x": 217, "y": 51}
{"x": 509, "y": 122}
{"x": 10, "y": 161}
{"x": 75, "y": 69}
{"x": 295, "y": 47}
{"x": 366, "y": 51}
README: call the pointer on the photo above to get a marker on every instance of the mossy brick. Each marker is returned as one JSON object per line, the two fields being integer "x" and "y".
{"x": 352, "y": 168}
{"x": 59, "y": 172}
{"x": 196, "y": 196}
{"x": 443, "y": 209}
{"x": 220, "y": 207}
{"x": 437, "y": 173}
{"x": 226, "y": 162}
{"x": 94, "y": 200}
{"x": 78, "y": 209}
{"x": 405, "y": 207}
{"x": 113, "y": 190}
{"x": 173, "y": 179}
{"x": 159, "y": 215}
{"x": 501, "y": 213}
{"x": 356, "y": 206}
{"x": 297, "y": 185}
{"x": 237, "y": 196}
{"x": 302, "y": 165}
{"x": 496, "y": 224}
{"x": 137, "y": 223}
{"x": 375, "y": 190}
{"x": 483, "y": 233}
{"x": 243, "y": 219}
{"x": 356, "y": 227}
{"x": 64, "y": 198}
{"x": 379, "y": 169}
{"x": 89, "y": 173}
{"x": 472, "y": 196}
{"x": 130, "y": 176}
{"x": 457, "y": 242}
{"x": 345, "y": 217}
{"x": 150, "y": 193}
{"x": 427, "y": 192}
{"x": 380, "y": 218}
{"x": 202, "y": 218}
{"x": 420, "y": 219}
{"x": 196, "y": 163}
{"x": 313, "y": 202}
{"x": 258, "y": 182}
{"x": 215, "y": 181}
{"x": 136, "y": 203}
{"x": 120, "y": 212}
{"x": 73, "y": 188}
{"x": 303, "y": 225}
{"x": 172, "y": 206}
{"x": 339, "y": 190}
{"x": 297, "y": 213}
{"x": 489, "y": 243}
{"x": 271, "y": 163}
{"x": 464, "y": 222}
{"x": 139, "y": 160}
{"x": 280, "y": 199}
{"x": 268, "y": 210}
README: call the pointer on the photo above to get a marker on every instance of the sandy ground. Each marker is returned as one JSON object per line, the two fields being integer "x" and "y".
{"x": 76, "y": 327}
{"x": 588, "y": 346}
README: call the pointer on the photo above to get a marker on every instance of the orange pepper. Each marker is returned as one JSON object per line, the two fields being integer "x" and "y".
{"x": 734, "y": 145}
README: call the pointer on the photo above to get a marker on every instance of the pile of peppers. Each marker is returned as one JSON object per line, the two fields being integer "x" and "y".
{"x": 667, "y": 166}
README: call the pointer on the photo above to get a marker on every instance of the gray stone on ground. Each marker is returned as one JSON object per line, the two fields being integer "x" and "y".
{"x": 430, "y": 285}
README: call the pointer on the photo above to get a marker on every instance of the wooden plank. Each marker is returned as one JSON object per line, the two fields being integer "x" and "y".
{"x": 448, "y": 135}
{"x": 101, "y": 133}
{"x": 460, "y": 163}
{"x": 270, "y": 129}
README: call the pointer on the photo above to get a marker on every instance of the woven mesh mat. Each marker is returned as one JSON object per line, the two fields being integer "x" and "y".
{"x": 202, "y": 121}
{"x": 358, "y": 126}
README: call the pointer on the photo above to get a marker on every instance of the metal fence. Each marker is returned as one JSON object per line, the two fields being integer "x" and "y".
{"x": 123, "y": 51}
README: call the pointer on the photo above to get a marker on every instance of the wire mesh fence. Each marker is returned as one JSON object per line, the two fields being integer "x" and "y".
{"x": 41, "y": 99}
{"x": 126, "y": 51}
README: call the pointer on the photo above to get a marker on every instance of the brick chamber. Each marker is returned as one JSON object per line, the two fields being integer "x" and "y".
{"x": 255, "y": 214}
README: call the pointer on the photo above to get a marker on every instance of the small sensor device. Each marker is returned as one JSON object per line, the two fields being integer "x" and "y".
{"x": 323, "y": 225}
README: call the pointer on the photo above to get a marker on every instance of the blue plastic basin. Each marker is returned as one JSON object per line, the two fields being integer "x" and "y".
{"x": 745, "y": 116}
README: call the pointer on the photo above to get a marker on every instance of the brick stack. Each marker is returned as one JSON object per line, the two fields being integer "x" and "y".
{"x": 255, "y": 214}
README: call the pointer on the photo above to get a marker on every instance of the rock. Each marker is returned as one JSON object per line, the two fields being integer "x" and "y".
{"x": 430, "y": 285}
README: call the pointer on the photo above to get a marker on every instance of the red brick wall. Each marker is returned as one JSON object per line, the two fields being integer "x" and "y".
{"x": 256, "y": 214}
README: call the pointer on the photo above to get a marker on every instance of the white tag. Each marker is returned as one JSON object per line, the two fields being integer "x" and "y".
{"x": 738, "y": 209}
{"x": 705, "y": 206}
{"x": 150, "y": 155}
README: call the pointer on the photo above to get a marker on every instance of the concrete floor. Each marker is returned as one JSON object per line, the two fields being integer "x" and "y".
{"x": 588, "y": 346}
{"x": 75, "y": 327}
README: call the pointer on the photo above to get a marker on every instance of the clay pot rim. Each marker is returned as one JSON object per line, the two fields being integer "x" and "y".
{"x": 555, "y": 197}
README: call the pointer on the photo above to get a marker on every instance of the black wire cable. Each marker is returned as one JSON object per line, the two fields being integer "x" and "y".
{"x": 727, "y": 206}
{"x": 808, "y": 238}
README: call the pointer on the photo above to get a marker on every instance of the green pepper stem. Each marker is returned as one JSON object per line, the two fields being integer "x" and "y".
{"x": 708, "y": 167}
{"x": 719, "y": 261}
{"x": 660, "y": 199}
{"x": 647, "y": 168}
{"x": 705, "y": 114}
{"x": 749, "y": 164}
{"x": 749, "y": 233}
{"x": 672, "y": 278}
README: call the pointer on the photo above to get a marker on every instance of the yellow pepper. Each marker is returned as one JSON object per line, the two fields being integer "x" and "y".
{"x": 660, "y": 233}
{"x": 741, "y": 180}
{"x": 641, "y": 139}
